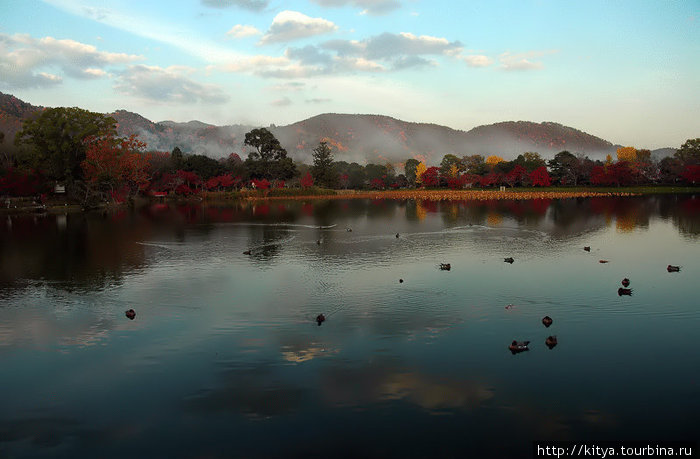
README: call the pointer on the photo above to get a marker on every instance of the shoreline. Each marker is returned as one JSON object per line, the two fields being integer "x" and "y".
{"x": 28, "y": 206}
{"x": 445, "y": 195}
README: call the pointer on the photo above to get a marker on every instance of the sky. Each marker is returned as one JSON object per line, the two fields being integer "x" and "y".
{"x": 626, "y": 70}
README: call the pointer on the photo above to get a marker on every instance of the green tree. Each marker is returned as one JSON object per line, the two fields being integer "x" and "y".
{"x": 564, "y": 168}
{"x": 409, "y": 169}
{"x": 474, "y": 164}
{"x": 57, "y": 140}
{"x": 530, "y": 161}
{"x": 448, "y": 161}
{"x": 203, "y": 166}
{"x": 689, "y": 152}
{"x": 269, "y": 160}
{"x": 176, "y": 158}
{"x": 323, "y": 172}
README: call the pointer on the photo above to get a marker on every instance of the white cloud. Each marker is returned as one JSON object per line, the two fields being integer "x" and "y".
{"x": 242, "y": 31}
{"x": 370, "y": 7}
{"x": 169, "y": 85}
{"x": 251, "y": 5}
{"x": 292, "y": 25}
{"x": 149, "y": 27}
{"x": 477, "y": 60}
{"x": 25, "y": 59}
{"x": 283, "y": 102}
{"x": 522, "y": 61}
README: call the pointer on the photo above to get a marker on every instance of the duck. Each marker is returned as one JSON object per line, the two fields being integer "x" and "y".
{"x": 131, "y": 314}
{"x": 673, "y": 269}
{"x": 445, "y": 266}
{"x": 625, "y": 282}
{"x": 397, "y": 235}
{"x": 349, "y": 230}
{"x": 400, "y": 281}
{"x": 318, "y": 242}
{"x": 603, "y": 261}
{"x": 320, "y": 319}
{"x": 587, "y": 248}
{"x": 247, "y": 252}
{"x": 624, "y": 291}
{"x": 551, "y": 341}
{"x": 509, "y": 260}
{"x": 510, "y": 306}
{"x": 518, "y": 346}
{"x": 547, "y": 321}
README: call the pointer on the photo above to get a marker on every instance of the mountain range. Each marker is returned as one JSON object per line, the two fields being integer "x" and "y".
{"x": 360, "y": 138}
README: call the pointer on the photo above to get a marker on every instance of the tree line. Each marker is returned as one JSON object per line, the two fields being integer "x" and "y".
{"x": 81, "y": 151}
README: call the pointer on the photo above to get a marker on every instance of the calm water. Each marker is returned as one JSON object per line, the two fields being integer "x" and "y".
{"x": 224, "y": 357}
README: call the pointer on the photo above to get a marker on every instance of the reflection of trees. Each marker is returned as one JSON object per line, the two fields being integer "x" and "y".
{"x": 88, "y": 251}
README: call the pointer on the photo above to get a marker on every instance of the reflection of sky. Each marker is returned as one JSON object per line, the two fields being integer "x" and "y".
{"x": 226, "y": 339}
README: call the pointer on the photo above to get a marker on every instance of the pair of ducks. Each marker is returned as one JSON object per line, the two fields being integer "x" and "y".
{"x": 522, "y": 346}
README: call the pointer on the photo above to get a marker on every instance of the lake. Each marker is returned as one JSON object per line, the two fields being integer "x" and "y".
{"x": 225, "y": 358}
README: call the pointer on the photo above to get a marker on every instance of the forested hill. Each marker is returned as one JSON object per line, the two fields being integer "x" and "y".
{"x": 361, "y": 138}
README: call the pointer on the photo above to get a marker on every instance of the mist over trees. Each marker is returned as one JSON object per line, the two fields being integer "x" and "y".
{"x": 80, "y": 150}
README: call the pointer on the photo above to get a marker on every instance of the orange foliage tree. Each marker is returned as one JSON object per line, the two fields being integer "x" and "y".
{"x": 493, "y": 160}
{"x": 628, "y": 154}
{"x": 115, "y": 166}
{"x": 420, "y": 170}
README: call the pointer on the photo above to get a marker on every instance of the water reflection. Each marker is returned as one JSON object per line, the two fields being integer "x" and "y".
{"x": 227, "y": 341}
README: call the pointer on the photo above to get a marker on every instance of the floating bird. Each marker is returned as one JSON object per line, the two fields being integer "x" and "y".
{"x": 625, "y": 282}
{"x": 509, "y": 260}
{"x": 587, "y": 248}
{"x": 445, "y": 266}
{"x": 673, "y": 269}
{"x": 551, "y": 341}
{"x": 547, "y": 321}
{"x": 518, "y": 346}
{"x": 320, "y": 319}
{"x": 318, "y": 242}
{"x": 624, "y": 291}
{"x": 247, "y": 252}
{"x": 510, "y": 306}
{"x": 602, "y": 261}
{"x": 131, "y": 314}
{"x": 400, "y": 281}
{"x": 349, "y": 230}
{"x": 397, "y": 235}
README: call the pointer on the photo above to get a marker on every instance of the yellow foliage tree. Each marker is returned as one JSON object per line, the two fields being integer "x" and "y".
{"x": 608, "y": 160}
{"x": 420, "y": 168}
{"x": 627, "y": 154}
{"x": 493, "y": 160}
{"x": 454, "y": 171}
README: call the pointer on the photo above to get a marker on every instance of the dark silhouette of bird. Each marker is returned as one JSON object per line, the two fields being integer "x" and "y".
{"x": 624, "y": 291}
{"x": 397, "y": 235}
{"x": 318, "y": 242}
{"x": 602, "y": 261}
{"x": 551, "y": 341}
{"x": 509, "y": 260}
{"x": 587, "y": 248}
{"x": 131, "y": 314}
{"x": 625, "y": 282}
{"x": 247, "y": 252}
{"x": 320, "y": 319}
{"x": 547, "y": 321}
{"x": 445, "y": 266}
{"x": 400, "y": 281}
{"x": 673, "y": 269}
{"x": 518, "y": 346}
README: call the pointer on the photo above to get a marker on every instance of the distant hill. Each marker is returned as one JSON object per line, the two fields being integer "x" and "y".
{"x": 12, "y": 112}
{"x": 361, "y": 138}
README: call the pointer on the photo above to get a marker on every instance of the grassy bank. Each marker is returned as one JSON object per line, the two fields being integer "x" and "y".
{"x": 456, "y": 195}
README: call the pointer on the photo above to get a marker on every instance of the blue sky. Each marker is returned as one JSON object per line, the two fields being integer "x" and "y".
{"x": 627, "y": 71}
